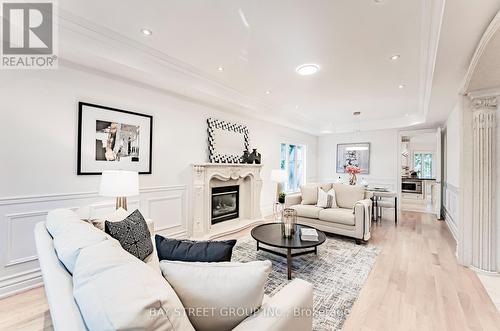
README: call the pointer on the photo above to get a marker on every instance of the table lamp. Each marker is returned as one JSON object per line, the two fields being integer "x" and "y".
{"x": 278, "y": 176}
{"x": 119, "y": 184}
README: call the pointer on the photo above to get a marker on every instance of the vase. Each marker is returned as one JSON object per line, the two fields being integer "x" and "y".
{"x": 288, "y": 222}
{"x": 353, "y": 179}
{"x": 254, "y": 157}
{"x": 245, "y": 156}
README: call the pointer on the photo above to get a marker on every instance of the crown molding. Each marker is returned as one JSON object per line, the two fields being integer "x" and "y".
{"x": 431, "y": 24}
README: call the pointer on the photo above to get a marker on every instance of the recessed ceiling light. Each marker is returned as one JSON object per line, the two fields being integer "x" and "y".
{"x": 220, "y": 69}
{"x": 307, "y": 69}
{"x": 146, "y": 32}
{"x": 401, "y": 86}
{"x": 297, "y": 107}
{"x": 395, "y": 57}
{"x": 268, "y": 92}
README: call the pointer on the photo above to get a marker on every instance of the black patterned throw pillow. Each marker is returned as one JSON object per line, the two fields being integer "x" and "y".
{"x": 133, "y": 234}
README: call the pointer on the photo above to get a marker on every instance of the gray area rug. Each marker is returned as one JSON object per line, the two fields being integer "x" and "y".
{"x": 338, "y": 272}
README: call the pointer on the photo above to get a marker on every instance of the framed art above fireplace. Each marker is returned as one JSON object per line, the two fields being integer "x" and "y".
{"x": 113, "y": 139}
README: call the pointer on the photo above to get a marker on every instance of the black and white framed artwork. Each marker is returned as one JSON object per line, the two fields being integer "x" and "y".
{"x": 113, "y": 139}
{"x": 355, "y": 154}
{"x": 226, "y": 141}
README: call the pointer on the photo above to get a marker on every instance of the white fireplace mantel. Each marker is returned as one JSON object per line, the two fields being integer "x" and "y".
{"x": 208, "y": 175}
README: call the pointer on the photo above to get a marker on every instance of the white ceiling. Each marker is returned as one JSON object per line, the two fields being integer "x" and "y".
{"x": 260, "y": 43}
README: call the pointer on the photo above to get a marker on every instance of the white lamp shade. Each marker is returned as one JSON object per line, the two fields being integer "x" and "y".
{"x": 278, "y": 175}
{"x": 119, "y": 183}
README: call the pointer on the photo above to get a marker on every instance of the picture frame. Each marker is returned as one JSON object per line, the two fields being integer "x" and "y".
{"x": 226, "y": 141}
{"x": 113, "y": 139}
{"x": 355, "y": 154}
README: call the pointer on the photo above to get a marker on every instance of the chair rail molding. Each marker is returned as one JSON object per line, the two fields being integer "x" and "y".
{"x": 19, "y": 269}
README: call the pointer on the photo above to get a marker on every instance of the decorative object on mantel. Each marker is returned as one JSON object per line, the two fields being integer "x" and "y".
{"x": 352, "y": 171}
{"x": 245, "y": 157}
{"x": 226, "y": 141}
{"x": 119, "y": 184}
{"x": 289, "y": 222}
{"x": 357, "y": 154}
{"x": 255, "y": 157}
{"x": 113, "y": 139}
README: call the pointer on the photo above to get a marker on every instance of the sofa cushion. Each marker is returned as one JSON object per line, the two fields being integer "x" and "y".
{"x": 307, "y": 211}
{"x": 309, "y": 194}
{"x": 58, "y": 219}
{"x": 72, "y": 237}
{"x": 116, "y": 291}
{"x": 348, "y": 195}
{"x": 218, "y": 296}
{"x": 337, "y": 215}
{"x": 194, "y": 251}
{"x": 326, "y": 199}
{"x": 133, "y": 234}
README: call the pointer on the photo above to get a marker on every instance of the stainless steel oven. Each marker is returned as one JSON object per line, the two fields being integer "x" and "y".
{"x": 411, "y": 186}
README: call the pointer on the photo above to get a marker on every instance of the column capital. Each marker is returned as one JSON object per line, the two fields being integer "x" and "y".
{"x": 485, "y": 103}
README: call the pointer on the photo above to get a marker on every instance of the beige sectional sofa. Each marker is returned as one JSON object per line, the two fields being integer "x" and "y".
{"x": 351, "y": 217}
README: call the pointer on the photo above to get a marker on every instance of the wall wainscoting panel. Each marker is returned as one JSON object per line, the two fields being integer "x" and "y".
{"x": 450, "y": 208}
{"x": 19, "y": 270}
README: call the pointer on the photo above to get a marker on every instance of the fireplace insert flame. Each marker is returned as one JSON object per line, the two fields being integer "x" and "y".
{"x": 225, "y": 203}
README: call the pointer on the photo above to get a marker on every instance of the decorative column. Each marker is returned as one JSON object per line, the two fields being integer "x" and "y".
{"x": 484, "y": 179}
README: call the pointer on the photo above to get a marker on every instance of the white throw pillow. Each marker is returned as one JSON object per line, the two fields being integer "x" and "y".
{"x": 58, "y": 219}
{"x": 218, "y": 296}
{"x": 69, "y": 244}
{"x": 309, "y": 194}
{"x": 116, "y": 291}
{"x": 326, "y": 199}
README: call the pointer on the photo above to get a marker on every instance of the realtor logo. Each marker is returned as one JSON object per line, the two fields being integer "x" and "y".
{"x": 28, "y": 35}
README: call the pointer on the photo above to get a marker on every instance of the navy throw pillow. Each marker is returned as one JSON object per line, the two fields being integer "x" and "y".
{"x": 194, "y": 251}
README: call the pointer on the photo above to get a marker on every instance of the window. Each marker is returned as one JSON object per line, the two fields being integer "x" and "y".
{"x": 422, "y": 164}
{"x": 293, "y": 161}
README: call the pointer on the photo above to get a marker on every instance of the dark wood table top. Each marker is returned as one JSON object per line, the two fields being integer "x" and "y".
{"x": 270, "y": 234}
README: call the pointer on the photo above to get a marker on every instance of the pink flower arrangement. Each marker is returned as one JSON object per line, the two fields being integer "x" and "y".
{"x": 353, "y": 170}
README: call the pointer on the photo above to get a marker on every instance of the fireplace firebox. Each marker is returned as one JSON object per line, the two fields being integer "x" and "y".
{"x": 225, "y": 203}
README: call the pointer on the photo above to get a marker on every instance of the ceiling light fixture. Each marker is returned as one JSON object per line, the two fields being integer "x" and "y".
{"x": 297, "y": 107}
{"x": 220, "y": 69}
{"x": 268, "y": 92}
{"x": 401, "y": 86}
{"x": 146, "y": 32}
{"x": 243, "y": 18}
{"x": 307, "y": 69}
{"x": 395, "y": 57}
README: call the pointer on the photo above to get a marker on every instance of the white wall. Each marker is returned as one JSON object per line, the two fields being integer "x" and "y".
{"x": 451, "y": 167}
{"x": 38, "y": 120}
{"x": 383, "y": 156}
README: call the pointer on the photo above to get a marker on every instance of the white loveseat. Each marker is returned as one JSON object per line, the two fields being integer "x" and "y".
{"x": 61, "y": 291}
{"x": 351, "y": 217}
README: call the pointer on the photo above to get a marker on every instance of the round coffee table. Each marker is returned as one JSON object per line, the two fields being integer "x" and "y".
{"x": 270, "y": 235}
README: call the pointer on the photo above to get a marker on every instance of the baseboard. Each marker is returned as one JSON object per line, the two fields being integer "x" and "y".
{"x": 21, "y": 282}
{"x": 450, "y": 223}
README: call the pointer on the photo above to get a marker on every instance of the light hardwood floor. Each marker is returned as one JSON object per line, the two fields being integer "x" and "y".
{"x": 416, "y": 284}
